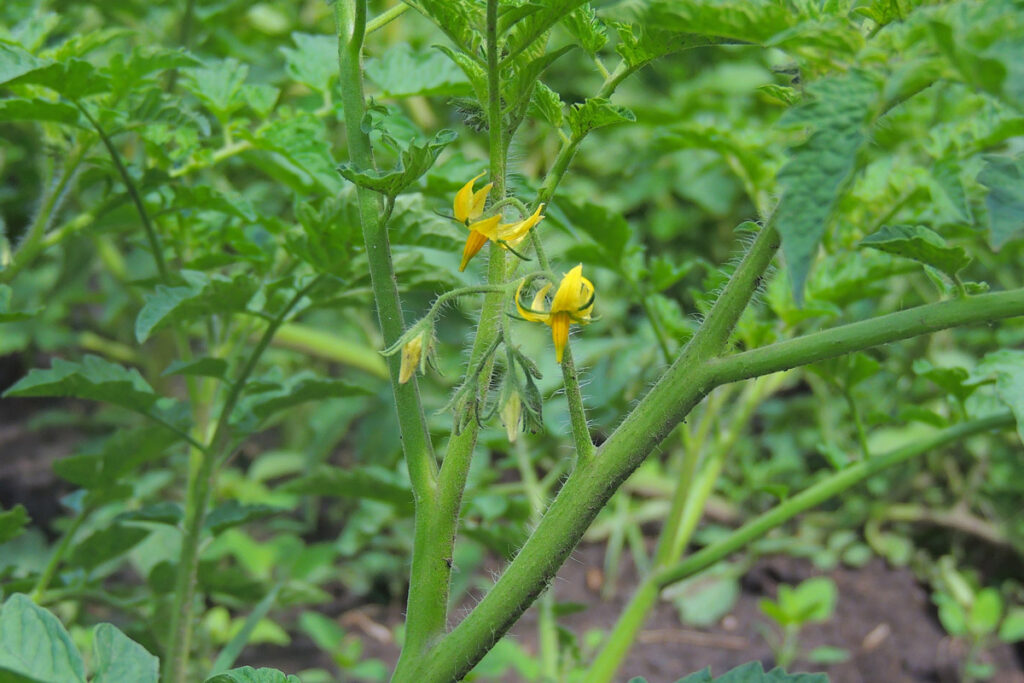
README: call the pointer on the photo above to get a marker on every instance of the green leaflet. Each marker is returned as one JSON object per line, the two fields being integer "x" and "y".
{"x": 94, "y": 378}
{"x": 596, "y": 112}
{"x": 200, "y": 367}
{"x": 548, "y": 105}
{"x": 38, "y": 110}
{"x": 607, "y": 228}
{"x": 12, "y": 522}
{"x": 106, "y": 544}
{"x": 527, "y": 26}
{"x": 116, "y": 658}
{"x": 400, "y": 72}
{"x": 247, "y": 674}
{"x": 232, "y": 513}
{"x": 313, "y": 61}
{"x": 34, "y": 646}
{"x": 1007, "y": 367}
{"x": 921, "y": 244}
{"x": 1004, "y": 178}
{"x": 589, "y": 31}
{"x": 203, "y": 296}
{"x": 366, "y": 482}
{"x": 752, "y": 672}
{"x": 6, "y": 314}
{"x": 415, "y": 161}
{"x": 819, "y": 169}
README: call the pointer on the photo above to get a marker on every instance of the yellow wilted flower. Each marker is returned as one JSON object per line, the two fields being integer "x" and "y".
{"x": 469, "y": 205}
{"x": 412, "y": 353}
{"x": 572, "y": 303}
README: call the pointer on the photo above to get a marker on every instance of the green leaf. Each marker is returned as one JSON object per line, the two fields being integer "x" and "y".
{"x": 1004, "y": 178}
{"x": 247, "y": 674}
{"x": 201, "y": 367}
{"x": 35, "y": 647}
{"x": 94, "y": 379}
{"x": 607, "y": 228}
{"x": 531, "y": 26}
{"x": 121, "y": 453}
{"x": 819, "y": 169}
{"x": 205, "y": 295}
{"x": 753, "y": 672}
{"x": 12, "y": 522}
{"x": 313, "y": 62}
{"x": 74, "y": 78}
{"x": 218, "y": 85}
{"x": 816, "y": 598}
{"x": 951, "y": 615}
{"x": 18, "y": 109}
{"x": 1007, "y": 366}
{"x": 366, "y": 482}
{"x": 232, "y": 514}
{"x": 920, "y": 244}
{"x": 548, "y": 105}
{"x": 16, "y": 61}
{"x": 952, "y": 380}
{"x": 299, "y": 389}
{"x": 116, "y": 658}
{"x": 596, "y": 112}
{"x": 828, "y": 655}
{"x": 458, "y": 19}
{"x": 947, "y": 190}
{"x": 474, "y": 72}
{"x": 590, "y": 33}
{"x": 105, "y": 545}
{"x": 986, "y": 612}
{"x": 6, "y": 314}
{"x": 640, "y": 43}
{"x": 157, "y": 513}
{"x": 704, "y": 599}
{"x": 526, "y": 73}
{"x": 1012, "y": 629}
{"x": 415, "y": 161}
{"x": 400, "y": 72}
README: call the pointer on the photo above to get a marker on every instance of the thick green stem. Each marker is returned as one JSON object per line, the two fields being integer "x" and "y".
{"x": 198, "y": 498}
{"x": 589, "y": 488}
{"x": 428, "y": 587}
{"x": 577, "y": 413}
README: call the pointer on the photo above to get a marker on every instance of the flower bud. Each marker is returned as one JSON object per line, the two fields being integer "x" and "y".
{"x": 411, "y": 353}
{"x": 511, "y": 414}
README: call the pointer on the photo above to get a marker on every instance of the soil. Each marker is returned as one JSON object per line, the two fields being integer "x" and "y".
{"x": 884, "y": 617}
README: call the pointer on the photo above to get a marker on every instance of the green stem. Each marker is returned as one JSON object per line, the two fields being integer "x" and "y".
{"x": 57, "y": 556}
{"x": 35, "y": 238}
{"x": 386, "y": 17}
{"x": 577, "y": 413}
{"x": 866, "y": 334}
{"x": 197, "y": 500}
{"x": 133, "y": 192}
{"x": 332, "y": 347}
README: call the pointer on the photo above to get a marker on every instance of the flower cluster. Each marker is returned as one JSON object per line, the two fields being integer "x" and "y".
{"x": 469, "y": 206}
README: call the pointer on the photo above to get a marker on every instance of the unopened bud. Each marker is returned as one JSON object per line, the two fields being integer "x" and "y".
{"x": 411, "y": 353}
{"x": 511, "y": 413}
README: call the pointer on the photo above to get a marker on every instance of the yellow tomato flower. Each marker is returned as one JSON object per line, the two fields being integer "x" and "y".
{"x": 572, "y": 303}
{"x": 469, "y": 205}
{"x": 412, "y": 354}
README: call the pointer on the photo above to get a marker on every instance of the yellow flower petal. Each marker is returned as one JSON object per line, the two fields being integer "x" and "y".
{"x": 479, "y": 201}
{"x": 513, "y": 233}
{"x": 474, "y": 243}
{"x": 587, "y": 294}
{"x": 410, "y": 359}
{"x": 465, "y": 201}
{"x": 488, "y": 227}
{"x": 567, "y": 298}
{"x": 560, "y": 333}
{"x": 534, "y": 314}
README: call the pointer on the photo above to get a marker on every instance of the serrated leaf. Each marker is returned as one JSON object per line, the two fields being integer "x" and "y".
{"x": 16, "y": 61}
{"x": 474, "y": 72}
{"x": 6, "y": 314}
{"x": 201, "y": 367}
{"x": 18, "y": 109}
{"x": 12, "y": 522}
{"x": 116, "y": 658}
{"x": 819, "y": 169}
{"x": 247, "y": 674}
{"x": 400, "y": 72}
{"x": 596, "y": 112}
{"x": 415, "y": 161}
{"x": 218, "y": 85}
{"x": 520, "y": 86}
{"x": 920, "y": 244}
{"x": 523, "y": 31}
{"x": 1004, "y": 178}
{"x": 458, "y": 19}
{"x": 365, "y": 482}
{"x": 157, "y": 513}
{"x": 204, "y": 295}
{"x": 105, "y": 545}
{"x": 94, "y": 379}
{"x": 232, "y": 514}
{"x": 1007, "y": 367}
{"x": 607, "y": 228}
{"x": 590, "y": 33}
{"x": 947, "y": 190}
{"x": 313, "y": 62}
{"x": 34, "y": 646}
{"x": 300, "y": 389}
{"x": 640, "y": 43}
{"x": 548, "y": 105}
{"x": 121, "y": 453}
{"x": 74, "y": 78}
